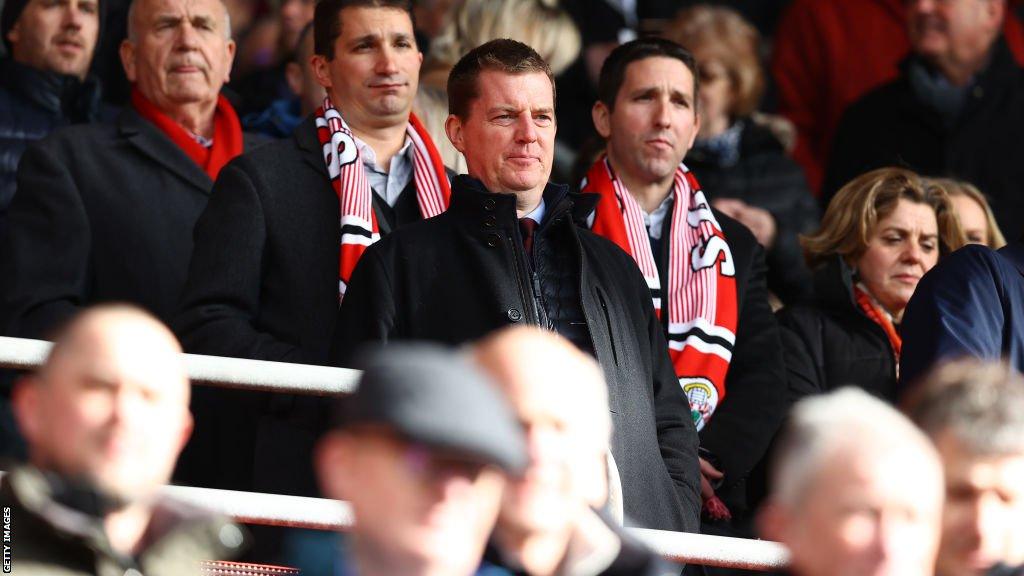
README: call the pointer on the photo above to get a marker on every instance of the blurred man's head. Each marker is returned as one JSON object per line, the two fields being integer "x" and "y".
{"x": 954, "y": 35}
{"x": 52, "y": 35}
{"x": 856, "y": 490}
{"x": 294, "y": 16}
{"x": 501, "y": 99}
{"x": 974, "y": 413}
{"x": 647, "y": 108}
{"x": 178, "y": 52}
{"x": 420, "y": 451}
{"x": 110, "y": 406}
{"x": 561, "y": 399}
{"x": 300, "y": 75}
{"x": 367, "y": 60}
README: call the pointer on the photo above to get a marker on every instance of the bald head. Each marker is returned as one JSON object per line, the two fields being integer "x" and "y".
{"x": 110, "y": 406}
{"x": 561, "y": 399}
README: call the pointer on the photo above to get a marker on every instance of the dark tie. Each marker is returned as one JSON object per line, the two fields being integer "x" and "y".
{"x": 526, "y": 227}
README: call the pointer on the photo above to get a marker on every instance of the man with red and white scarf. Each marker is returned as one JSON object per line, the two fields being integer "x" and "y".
{"x": 287, "y": 223}
{"x": 104, "y": 212}
{"x": 705, "y": 271}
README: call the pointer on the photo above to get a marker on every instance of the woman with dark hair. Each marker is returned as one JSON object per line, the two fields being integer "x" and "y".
{"x": 880, "y": 234}
{"x": 739, "y": 156}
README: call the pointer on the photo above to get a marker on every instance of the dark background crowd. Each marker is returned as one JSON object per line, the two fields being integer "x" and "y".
{"x": 851, "y": 177}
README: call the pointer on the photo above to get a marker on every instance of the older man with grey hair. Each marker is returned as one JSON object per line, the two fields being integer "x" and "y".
{"x": 856, "y": 490}
{"x": 105, "y": 212}
{"x": 974, "y": 413}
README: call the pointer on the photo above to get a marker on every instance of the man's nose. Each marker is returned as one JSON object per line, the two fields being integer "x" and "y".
{"x": 387, "y": 63}
{"x": 526, "y": 131}
{"x": 663, "y": 114}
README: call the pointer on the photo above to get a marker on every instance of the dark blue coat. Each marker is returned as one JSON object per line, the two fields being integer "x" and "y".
{"x": 971, "y": 304}
{"x": 32, "y": 104}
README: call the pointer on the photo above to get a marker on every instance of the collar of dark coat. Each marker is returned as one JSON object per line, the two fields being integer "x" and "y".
{"x": 307, "y": 141}
{"x": 1001, "y": 74}
{"x": 149, "y": 140}
{"x": 471, "y": 199}
{"x": 833, "y": 285}
{"x": 53, "y": 93}
{"x": 175, "y": 528}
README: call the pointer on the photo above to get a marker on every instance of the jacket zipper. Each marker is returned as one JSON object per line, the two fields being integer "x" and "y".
{"x": 525, "y": 288}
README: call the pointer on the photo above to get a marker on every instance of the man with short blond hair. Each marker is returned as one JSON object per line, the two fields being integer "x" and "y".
{"x": 105, "y": 419}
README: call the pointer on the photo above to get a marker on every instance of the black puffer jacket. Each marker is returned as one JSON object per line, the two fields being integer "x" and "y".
{"x": 32, "y": 104}
{"x": 765, "y": 177}
{"x": 833, "y": 343}
{"x": 460, "y": 275}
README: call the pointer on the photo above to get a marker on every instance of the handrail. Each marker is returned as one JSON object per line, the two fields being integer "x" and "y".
{"x": 320, "y": 514}
{"x": 323, "y": 514}
{"x": 237, "y": 373}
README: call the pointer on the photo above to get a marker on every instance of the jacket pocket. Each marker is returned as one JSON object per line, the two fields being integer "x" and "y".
{"x": 606, "y": 314}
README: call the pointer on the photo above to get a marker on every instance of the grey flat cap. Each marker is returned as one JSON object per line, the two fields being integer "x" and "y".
{"x": 431, "y": 395}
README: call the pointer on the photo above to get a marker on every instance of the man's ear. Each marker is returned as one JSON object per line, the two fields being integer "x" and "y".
{"x": 14, "y": 34}
{"x": 127, "y": 53}
{"x": 696, "y": 130}
{"x": 334, "y": 460}
{"x": 231, "y": 47}
{"x": 772, "y": 522}
{"x": 453, "y": 127}
{"x": 293, "y": 75}
{"x": 321, "y": 70}
{"x": 24, "y": 404}
{"x": 602, "y": 119}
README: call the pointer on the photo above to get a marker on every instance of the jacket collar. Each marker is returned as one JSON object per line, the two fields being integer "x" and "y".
{"x": 50, "y": 91}
{"x": 1014, "y": 252}
{"x": 153, "y": 143}
{"x": 833, "y": 285}
{"x": 471, "y": 199}
{"x": 307, "y": 140}
{"x": 173, "y": 527}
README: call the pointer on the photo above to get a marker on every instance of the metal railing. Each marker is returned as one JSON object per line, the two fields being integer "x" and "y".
{"x": 321, "y": 514}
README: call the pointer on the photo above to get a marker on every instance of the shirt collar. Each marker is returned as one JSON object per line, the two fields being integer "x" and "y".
{"x": 537, "y": 215}
{"x": 369, "y": 157}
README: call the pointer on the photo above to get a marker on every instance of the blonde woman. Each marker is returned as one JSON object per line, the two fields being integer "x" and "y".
{"x": 976, "y": 217}
{"x": 540, "y": 24}
{"x": 880, "y": 234}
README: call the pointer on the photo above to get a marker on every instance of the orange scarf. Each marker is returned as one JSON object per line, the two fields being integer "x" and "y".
{"x": 227, "y": 133}
{"x": 880, "y": 317}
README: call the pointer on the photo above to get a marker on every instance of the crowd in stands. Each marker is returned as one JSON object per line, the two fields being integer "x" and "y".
{"x": 598, "y": 266}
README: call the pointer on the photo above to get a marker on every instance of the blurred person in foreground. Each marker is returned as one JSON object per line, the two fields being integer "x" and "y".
{"x": 421, "y": 451}
{"x": 45, "y": 76}
{"x": 548, "y": 523}
{"x": 956, "y": 108}
{"x": 738, "y": 154}
{"x": 856, "y": 490}
{"x": 105, "y": 419}
{"x": 509, "y": 251}
{"x": 974, "y": 413}
{"x": 880, "y": 234}
{"x": 704, "y": 271}
{"x": 972, "y": 208}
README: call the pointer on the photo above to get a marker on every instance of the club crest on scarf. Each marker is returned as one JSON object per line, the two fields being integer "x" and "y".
{"x": 358, "y": 223}
{"x": 701, "y": 288}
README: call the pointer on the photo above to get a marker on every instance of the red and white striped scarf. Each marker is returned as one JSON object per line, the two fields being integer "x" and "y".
{"x": 355, "y": 198}
{"x": 702, "y": 305}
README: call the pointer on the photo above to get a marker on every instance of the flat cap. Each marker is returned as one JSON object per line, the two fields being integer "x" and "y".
{"x": 433, "y": 396}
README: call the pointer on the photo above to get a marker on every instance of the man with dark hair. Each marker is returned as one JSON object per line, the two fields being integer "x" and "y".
{"x": 287, "y": 223}
{"x": 284, "y": 115}
{"x": 973, "y": 410}
{"x": 956, "y": 108}
{"x": 509, "y": 252}
{"x": 45, "y": 84}
{"x": 104, "y": 212}
{"x": 705, "y": 271}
